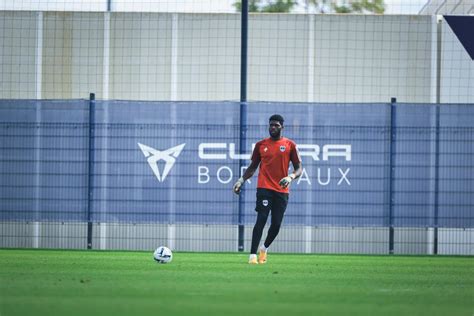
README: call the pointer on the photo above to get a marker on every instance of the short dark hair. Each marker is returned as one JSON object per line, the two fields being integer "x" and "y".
{"x": 277, "y": 117}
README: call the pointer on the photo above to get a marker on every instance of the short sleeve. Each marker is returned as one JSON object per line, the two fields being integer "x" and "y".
{"x": 294, "y": 154}
{"x": 256, "y": 158}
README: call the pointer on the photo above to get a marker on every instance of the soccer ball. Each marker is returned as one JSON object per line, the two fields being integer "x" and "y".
{"x": 163, "y": 255}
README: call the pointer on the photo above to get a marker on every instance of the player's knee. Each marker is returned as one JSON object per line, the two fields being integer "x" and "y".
{"x": 262, "y": 219}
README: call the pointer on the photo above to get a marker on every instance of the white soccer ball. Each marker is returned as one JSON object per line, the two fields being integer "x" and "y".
{"x": 163, "y": 255}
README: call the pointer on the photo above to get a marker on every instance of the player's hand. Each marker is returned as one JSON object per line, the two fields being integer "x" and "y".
{"x": 285, "y": 182}
{"x": 238, "y": 185}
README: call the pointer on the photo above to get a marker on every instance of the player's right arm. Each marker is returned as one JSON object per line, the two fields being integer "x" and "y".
{"x": 249, "y": 171}
{"x": 247, "y": 175}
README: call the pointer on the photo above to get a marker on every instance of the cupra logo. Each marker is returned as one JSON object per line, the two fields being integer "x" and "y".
{"x": 169, "y": 156}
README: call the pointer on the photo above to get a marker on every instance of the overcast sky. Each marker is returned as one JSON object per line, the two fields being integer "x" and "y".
{"x": 392, "y": 6}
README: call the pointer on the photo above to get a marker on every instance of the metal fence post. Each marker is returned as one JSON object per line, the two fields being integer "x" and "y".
{"x": 243, "y": 145}
{"x": 243, "y": 113}
{"x": 436, "y": 198}
{"x": 393, "y": 133}
{"x": 90, "y": 173}
{"x": 439, "y": 33}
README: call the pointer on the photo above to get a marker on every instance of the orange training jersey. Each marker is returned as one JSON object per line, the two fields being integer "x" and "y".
{"x": 274, "y": 157}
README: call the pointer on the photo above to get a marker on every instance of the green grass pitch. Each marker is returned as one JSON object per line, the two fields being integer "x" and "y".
{"x": 63, "y": 282}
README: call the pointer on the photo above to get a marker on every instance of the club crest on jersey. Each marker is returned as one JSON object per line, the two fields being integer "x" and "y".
{"x": 282, "y": 148}
{"x": 265, "y": 202}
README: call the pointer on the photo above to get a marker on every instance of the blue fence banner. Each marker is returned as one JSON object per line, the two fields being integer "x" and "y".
{"x": 176, "y": 162}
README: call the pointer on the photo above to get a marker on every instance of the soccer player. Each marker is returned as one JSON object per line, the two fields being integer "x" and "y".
{"x": 273, "y": 154}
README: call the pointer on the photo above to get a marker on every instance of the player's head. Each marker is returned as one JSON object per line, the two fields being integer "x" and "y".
{"x": 275, "y": 125}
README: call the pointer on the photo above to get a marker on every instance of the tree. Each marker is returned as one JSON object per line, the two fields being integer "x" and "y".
{"x": 319, "y": 6}
{"x": 278, "y": 6}
{"x": 364, "y": 6}
{"x": 253, "y": 6}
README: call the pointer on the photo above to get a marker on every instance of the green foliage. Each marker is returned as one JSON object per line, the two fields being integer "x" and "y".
{"x": 253, "y": 6}
{"x": 278, "y": 6}
{"x": 321, "y": 6}
{"x": 364, "y": 6}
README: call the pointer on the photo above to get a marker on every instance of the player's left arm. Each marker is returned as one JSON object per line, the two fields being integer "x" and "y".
{"x": 297, "y": 169}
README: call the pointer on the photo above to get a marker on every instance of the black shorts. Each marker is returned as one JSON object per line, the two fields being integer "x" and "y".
{"x": 269, "y": 200}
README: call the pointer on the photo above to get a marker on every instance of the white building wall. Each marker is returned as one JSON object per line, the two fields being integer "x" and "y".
{"x": 140, "y": 56}
{"x": 208, "y": 61}
{"x": 17, "y": 55}
{"x": 358, "y": 58}
{"x": 372, "y": 58}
